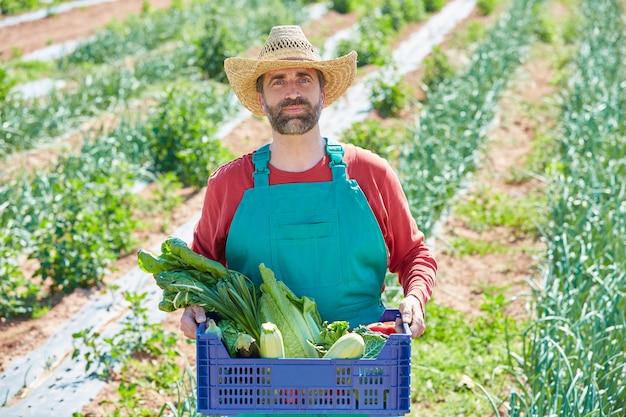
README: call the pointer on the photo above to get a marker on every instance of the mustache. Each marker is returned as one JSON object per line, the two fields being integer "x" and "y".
{"x": 299, "y": 101}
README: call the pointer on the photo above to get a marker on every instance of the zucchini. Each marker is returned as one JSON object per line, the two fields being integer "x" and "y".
{"x": 271, "y": 341}
{"x": 348, "y": 346}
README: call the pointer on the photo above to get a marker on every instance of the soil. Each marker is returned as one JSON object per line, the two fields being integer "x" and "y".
{"x": 79, "y": 23}
{"x": 460, "y": 280}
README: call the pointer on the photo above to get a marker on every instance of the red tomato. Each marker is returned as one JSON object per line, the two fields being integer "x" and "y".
{"x": 387, "y": 327}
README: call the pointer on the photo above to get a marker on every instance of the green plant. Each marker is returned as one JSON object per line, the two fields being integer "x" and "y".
{"x": 185, "y": 403}
{"x": 464, "y": 246}
{"x": 486, "y": 7}
{"x": 437, "y": 68}
{"x": 402, "y": 12}
{"x": 370, "y": 134}
{"x": 389, "y": 93}
{"x": 452, "y": 359}
{"x": 6, "y": 84}
{"x": 180, "y": 133}
{"x": 371, "y": 41}
{"x": 218, "y": 43}
{"x": 139, "y": 335}
{"x": 443, "y": 145}
{"x": 341, "y": 6}
{"x": 485, "y": 208}
{"x": 92, "y": 222}
{"x": 433, "y": 5}
{"x": 18, "y": 294}
{"x": 545, "y": 27}
{"x": 573, "y": 360}
{"x": 8, "y": 7}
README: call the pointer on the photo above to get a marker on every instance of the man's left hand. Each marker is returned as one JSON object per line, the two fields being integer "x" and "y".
{"x": 412, "y": 314}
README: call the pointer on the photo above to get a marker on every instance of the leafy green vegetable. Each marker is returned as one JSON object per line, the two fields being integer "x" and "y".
{"x": 230, "y": 332}
{"x": 188, "y": 278}
{"x": 297, "y": 318}
{"x": 374, "y": 341}
{"x": 330, "y": 333}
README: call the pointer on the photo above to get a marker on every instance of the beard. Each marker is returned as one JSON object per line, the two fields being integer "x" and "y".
{"x": 294, "y": 124}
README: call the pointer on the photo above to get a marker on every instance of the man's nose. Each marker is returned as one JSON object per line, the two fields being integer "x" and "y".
{"x": 292, "y": 91}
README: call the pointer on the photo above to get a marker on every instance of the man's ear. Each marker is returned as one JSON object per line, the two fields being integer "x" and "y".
{"x": 261, "y": 102}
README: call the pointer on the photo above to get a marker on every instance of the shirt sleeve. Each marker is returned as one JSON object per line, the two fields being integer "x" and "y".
{"x": 225, "y": 189}
{"x": 408, "y": 255}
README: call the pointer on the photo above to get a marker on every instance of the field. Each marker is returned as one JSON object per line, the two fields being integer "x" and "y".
{"x": 504, "y": 120}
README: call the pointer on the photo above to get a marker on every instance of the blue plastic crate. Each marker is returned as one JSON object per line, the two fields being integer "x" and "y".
{"x": 229, "y": 386}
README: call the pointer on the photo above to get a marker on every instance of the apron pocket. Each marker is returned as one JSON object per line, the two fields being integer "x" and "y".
{"x": 306, "y": 249}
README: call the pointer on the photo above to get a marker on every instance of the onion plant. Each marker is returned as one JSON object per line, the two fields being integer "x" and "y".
{"x": 443, "y": 146}
{"x": 574, "y": 357}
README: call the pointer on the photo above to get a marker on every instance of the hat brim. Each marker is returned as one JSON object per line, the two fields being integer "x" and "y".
{"x": 242, "y": 74}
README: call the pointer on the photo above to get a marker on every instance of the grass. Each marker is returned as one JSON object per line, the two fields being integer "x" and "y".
{"x": 456, "y": 357}
{"x": 486, "y": 208}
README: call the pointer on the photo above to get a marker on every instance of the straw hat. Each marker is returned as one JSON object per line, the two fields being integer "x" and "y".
{"x": 287, "y": 47}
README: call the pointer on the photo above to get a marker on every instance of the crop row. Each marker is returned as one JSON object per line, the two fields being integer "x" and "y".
{"x": 574, "y": 357}
{"x": 444, "y": 146}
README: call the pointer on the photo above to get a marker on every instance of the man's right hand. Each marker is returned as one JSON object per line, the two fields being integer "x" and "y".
{"x": 192, "y": 316}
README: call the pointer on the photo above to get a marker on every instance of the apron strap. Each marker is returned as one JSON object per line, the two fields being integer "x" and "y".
{"x": 336, "y": 164}
{"x": 261, "y": 159}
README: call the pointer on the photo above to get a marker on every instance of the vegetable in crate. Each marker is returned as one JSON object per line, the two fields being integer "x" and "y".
{"x": 271, "y": 341}
{"x": 188, "y": 278}
{"x": 348, "y": 346}
{"x": 297, "y": 318}
{"x": 387, "y": 327}
{"x": 246, "y": 346}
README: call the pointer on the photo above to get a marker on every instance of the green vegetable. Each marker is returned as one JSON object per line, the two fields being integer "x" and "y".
{"x": 349, "y": 346}
{"x": 374, "y": 341}
{"x": 188, "y": 278}
{"x": 230, "y": 333}
{"x": 271, "y": 341}
{"x": 330, "y": 333}
{"x": 297, "y": 318}
{"x": 176, "y": 255}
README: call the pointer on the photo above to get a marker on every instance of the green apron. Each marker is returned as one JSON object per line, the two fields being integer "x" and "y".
{"x": 322, "y": 239}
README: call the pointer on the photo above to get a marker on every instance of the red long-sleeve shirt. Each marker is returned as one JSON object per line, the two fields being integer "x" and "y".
{"x": 407, "y": 253}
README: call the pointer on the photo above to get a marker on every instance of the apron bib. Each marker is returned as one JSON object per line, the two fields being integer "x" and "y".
{"x": 322, "y": 239}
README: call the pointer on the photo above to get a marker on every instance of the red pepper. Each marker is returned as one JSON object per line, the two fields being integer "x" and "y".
{"x": 387, "y": 327}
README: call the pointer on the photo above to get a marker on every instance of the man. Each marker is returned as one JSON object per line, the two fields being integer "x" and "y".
{"x": 328, "y": 219}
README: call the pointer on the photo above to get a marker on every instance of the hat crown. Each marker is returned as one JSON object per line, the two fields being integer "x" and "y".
{"x": 288, "y": 43}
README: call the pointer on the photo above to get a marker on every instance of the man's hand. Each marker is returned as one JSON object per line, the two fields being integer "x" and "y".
{"x": 190, "y": 319}
{"x": 411, "y": 311}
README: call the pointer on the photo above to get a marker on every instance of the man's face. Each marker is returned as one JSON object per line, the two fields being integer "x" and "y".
{"x": 292, "y": 100}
